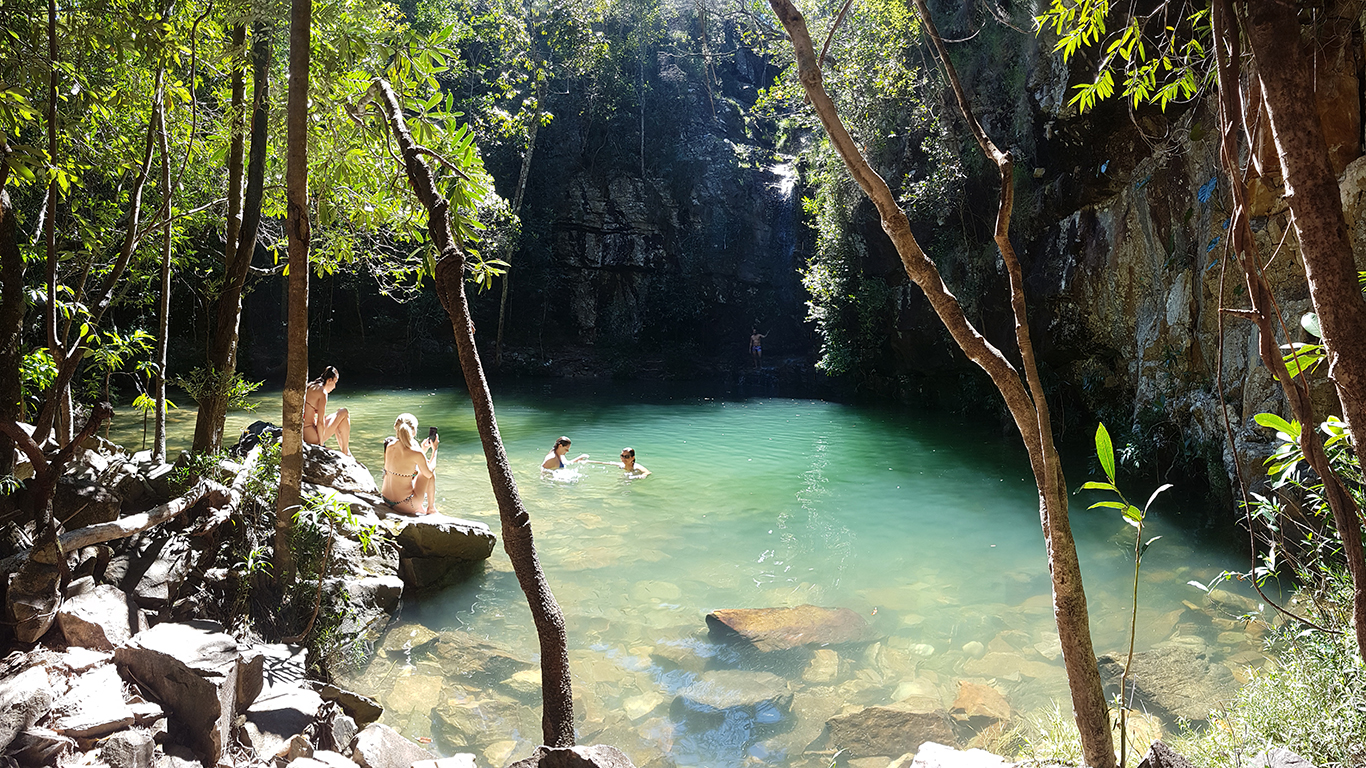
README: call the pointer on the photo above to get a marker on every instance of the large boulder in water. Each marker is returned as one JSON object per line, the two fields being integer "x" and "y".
{"x": 1175, "y": 679}
{"x": 778, "y": 629}
{"x": 436, "y": 535}
{"x": 889, "y": 731}
{"x": 324, "y": 466}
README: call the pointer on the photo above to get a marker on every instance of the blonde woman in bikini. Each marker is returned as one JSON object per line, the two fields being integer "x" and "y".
{"x": 409, "y": 473}
{"x": 318, "y": 426}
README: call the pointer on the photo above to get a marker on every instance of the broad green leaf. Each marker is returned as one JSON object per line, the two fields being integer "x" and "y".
{"x": 1092, "y": 485}
{"x": 1105, "y": 451}
{"x": 1272, "y": 421}
{"x": 1110, "y": 505}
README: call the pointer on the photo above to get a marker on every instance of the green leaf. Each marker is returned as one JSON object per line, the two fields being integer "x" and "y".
{"x": 1133, "y": 513}
{"x": 1272, "y": 421}
{"x": 1310, "y": 323}
{"x": 1109, "y": 504}
{"x": 1105, "y": 451}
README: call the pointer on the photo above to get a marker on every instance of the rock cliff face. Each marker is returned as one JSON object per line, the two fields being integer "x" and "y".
{"x": 664, "y": 225}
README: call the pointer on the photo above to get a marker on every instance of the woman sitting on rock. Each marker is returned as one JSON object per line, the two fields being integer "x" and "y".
{"x": 409, "y": 474}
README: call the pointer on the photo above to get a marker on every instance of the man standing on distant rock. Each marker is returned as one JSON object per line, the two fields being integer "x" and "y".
{"x": 756, "y": 350}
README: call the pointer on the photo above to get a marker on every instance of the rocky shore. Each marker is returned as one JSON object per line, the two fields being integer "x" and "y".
{"x": 144, "y": 654}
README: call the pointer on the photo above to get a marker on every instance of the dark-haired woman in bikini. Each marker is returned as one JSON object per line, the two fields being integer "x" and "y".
{"x": 409, "y": 473}
{"x": 318, "y": 426}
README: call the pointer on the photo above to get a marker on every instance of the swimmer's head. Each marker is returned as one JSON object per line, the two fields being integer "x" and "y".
{"x": 562, "y": 441}
{"x": 628, "y": 453}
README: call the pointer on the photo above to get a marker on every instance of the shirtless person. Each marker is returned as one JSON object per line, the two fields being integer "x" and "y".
{"x": 756, "y": 350}
{"x": 318, "y": 426}
{"x": 556, "y": 460}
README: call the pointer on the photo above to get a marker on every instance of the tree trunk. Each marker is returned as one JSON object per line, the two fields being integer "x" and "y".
{"x": 11, "y": 326}
{"x": 66, "y": 366}
{"x": 517, "y": 208}
{"x": 164, "y": 316}
{"x": 241, "y": 246}
{"x": 297, "y": 230}
{"x": 557, "y": 716}
{"x": 1311, "y": 189}
{"x": 1027, "y": 407}
{"x": 59, "y": 393}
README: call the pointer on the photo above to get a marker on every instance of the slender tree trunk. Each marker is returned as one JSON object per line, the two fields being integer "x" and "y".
{"x": 66, "y": 366}
{"x": 1026, "y": 406}
{"x": 517, "y": 196}
{"x": 1312, "y": 190}
{"x": 297, "y": 230}
{"x": 54, "y": 346}
{"x": 164, "y": 320}
{"x": 11, "y": 326}
{"x": 208, "y": 434}
{"x": 557, "y": 715}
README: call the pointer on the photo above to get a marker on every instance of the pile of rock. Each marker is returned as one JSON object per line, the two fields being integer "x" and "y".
{"x": 180, "y": 695}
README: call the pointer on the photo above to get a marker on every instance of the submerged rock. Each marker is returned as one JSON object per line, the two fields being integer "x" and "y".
{"x": 889, "y": 731}
{"x": 777, "y": 629}
{"x": 979, "y": 706}
{"x": 1175, "y": 679}
{"x": 379, "y": 746}
{"x": 761, "y": 696}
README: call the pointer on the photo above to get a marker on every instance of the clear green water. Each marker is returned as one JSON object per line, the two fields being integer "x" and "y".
{"x": 923, "y": 525}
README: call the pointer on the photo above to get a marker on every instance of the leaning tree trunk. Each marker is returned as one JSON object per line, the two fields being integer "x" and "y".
{"x": 164, "y": 316}
{"x": 297, "y": 230}
{"x": 11, "y": 326}
{"x": 1311, "y": 188}
{"x": 557, "y": 716}
{"x": 241, "y": 245}
{"x": 1027, "y": 406}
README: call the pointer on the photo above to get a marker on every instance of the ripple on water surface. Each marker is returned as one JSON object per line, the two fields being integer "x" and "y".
{"x": 925, "y": 527}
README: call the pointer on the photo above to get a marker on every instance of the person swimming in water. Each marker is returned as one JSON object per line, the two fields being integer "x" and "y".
{"x": 628, "y": 463}
{"x": 409, "y": 475}
{"x": 556, "y": 460}
{"x": 318, "y": 426}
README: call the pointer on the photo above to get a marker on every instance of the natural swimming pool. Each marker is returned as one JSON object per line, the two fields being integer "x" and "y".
{"x": 926, "y": 527}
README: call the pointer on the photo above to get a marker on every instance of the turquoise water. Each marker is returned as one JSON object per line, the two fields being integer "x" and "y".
{"x": 925, "y": 526}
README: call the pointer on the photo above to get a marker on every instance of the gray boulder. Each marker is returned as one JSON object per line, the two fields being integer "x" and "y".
{"x": 437, "y": 535}
{"x": 760, "y": 696}
{"x": 379, "y": 746}
{"x": 128, "y": 749}
{"x": 1160, "y": 755}
{"x": 99, "y": 618}
{"x": 156, "y": 573}
{"x": 778, "y": 629}
{"x": 33, "y": 596}
{"x": 326, "y": 467}
{"x": 40, "y": 746}
{"x": 93, "y": 706}
{"x": 25, "y": 699}
{"x": 362, "y": 709}
{"x": 595, "y": 756}
{"x": 80, "y": 502}
{"x": 279, "y": 715}
{"x": 888, "y": 731}
{"x": 192, "y": 668}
